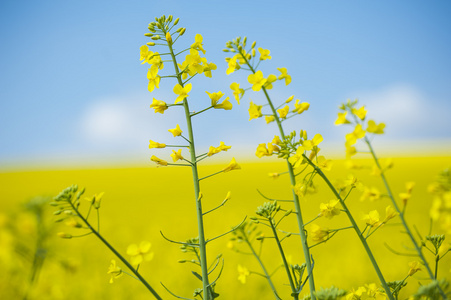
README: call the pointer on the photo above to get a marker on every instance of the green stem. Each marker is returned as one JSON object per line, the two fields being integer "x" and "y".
{"x": 294, "y": 292}
{"x": 267, "y": 276}
{"x": 403, "y": 220}
{"x": 118, "y": 255}
{"x": 356, "y": 228}
{"x": 208, "y": 294}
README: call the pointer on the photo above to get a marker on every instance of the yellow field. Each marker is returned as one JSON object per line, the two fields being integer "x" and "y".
{"x": 140, "y": 202}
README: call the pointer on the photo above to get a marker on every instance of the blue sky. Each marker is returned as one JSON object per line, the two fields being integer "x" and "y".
{"x": 72, "y": 88}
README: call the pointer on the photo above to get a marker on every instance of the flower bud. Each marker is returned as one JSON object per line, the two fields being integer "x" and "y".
{"x": 170, "y": 18}
{"x": 157, "y": 37}
{"x": 151, "y": 44}
{"x": 64, "y": 235}
{"x": 182, "y": 31}
{"x": 176, "y": 21}
{"x": 253, "y": 45}
{"x": 168, "y": 38}
{"x": 148, "y": 34}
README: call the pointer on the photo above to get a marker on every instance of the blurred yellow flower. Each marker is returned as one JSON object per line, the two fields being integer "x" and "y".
{"x": 318, "y": 234}
{"x": 182, "y": 92}
{"x": 283, "y": 111}
{"x": 153, "y": 144}
{"x": 358, "y": 133}
{"x": 176, "y": 155}
{"x": 329, "y": 210}
{"x": 159, "y": 106}
{"x": 233, "y": 65}
{"x": 324, "y": 164}
{"x": 414, "y": 267}
{"x": 197, "y": 45}
{"x": 257, "y": 80}
{"x": 308, "y": 145}
{"x": 159, "y": 161}
{"x": 269, "y": 81}
{"x": 154, "y": 79}
{"x": 264, "y": 54}
{"x": 372, "y": 218}
{"x": 356, "y": 294}
{"x": 114, "y": 271}
{"x": 255, "y": 111}
{"x": 390, "y": 213}
{"x": 284, "y": 75}
{"x": 300, "y": 107}
{"x": 237, "y": 91}
{"x": 371, "y": 194}
{"x": 269, "y": 119}
{"x": 342, "y": 119}
{"x": 360, "y": 113}
{"x": 242, "y": 274}
{"x": 375, "y": 128}
{"x": 139, "y": 253}
{"x": 232, "y": 166}
{"x": 176, "y": 131}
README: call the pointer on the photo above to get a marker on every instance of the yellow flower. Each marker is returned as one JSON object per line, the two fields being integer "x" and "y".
{"x": 214, "y": 150}
{"x": 159, "y": 106}
{"x": 262, "y": 151}
{"x": 374, "y": 292}
{"x": 375, "y": 128}
{"x": 114, "y": 271}
{"x": 284, "y": 75}
{"x": 324, "y": 164}
{"x": 153, "y": 144}
{"x": 372, "y": 219}
{"x": 176, "y": 131}
{"x": 283, "y": 111}
{"x": 154, "y": 79}
{"x": 390, "y": 213}
{"x": 232, "y": 166}
{"x": 289, "y": 99}
{"x": 194, "y": 62}
{"x": 371, "y": 194}
{"x": 300, "y": 107}
{"x": 308, "y": 145}
{"x": 297, "y": 159}
{"x": 358, "y": 133}
{"x": 143, "y": 53}
{"x": 176, "y": 155}
{"x": 271, "y": 78}
{"x": 356, "y": 294}
{"x": 274, "y": 175}
{"x": 208, "y": 67}
{"x": 350, "y": 151}
{"x": 233, "y": 65}
{"x": 198, "y": 43}
{"x": 182, "y": 91}
{"x": 264, "y": 54}
{"x": 257, "y": 80}
{"x": 226, "y": 105}
{"x": 159, "y": 161}
{"x": 243, "y": 273}
{"x": 140, "y": 253}
{"x": 318, "y": 233}
{"x": 269, "y": 119}
{"x": 414, "y": 267}
{"x": 276, "y": 140}
{"x": 342, "y": 118}
{"x": 255, "y": 111}
{"x": 215, "y": 99}
{"x": 237, "y": 91}
{"x": 360, "y": 113}
{"x": 329, "y": 210}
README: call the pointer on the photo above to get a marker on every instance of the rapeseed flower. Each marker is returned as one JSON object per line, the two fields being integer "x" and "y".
{"x": 323, "y": 163}
{"x": 264, "y": 54}
{"x": 269, "y": 81}
{"x": 375, "y": 128}
{"x": 232, "y": 166}
{"x": 139, "y": 253}
{"x": 342, "y": 119}
{"x": 197, "y": 45}
{"x": 153, "y": 144}
{"x": 114, "y": 271}
{"x": 318, "y": 234}
{"x": 243, "y": 273}
{"x": 214, "y": 150}
{"x": 233, "y": 65}
{"x": 176, "y": 131}
{"x": 371, "y": 194}
{"x": 176, "y": 155}
{"x": 372, "y": 219}
{"x": 329, "y": 210}
{"x": 358, "y": 133}
{"x": 257, "y": 80}
{"x": 255, "y": 111}
{"x": 237, "y": 91}
{"x": 414, "y": 267}
{"x": 182, "y": 92}
{"x": 154, "y": 79}
{"x": 283, "y": 112}
{"x": 159, "y": 106}
{"x": 360, "y": 113}
{"x": 215, "y": 99}
{"x": 159, "y": 161}
{"x": 308, "y": 145}
{"x": 269, "y": 119}
{"x": 300, "y": 107}
{"x": 284, "y": 75}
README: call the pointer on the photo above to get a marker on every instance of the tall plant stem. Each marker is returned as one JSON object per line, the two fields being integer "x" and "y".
{"x": 118, "y": 255}
{"x": 267, "y": 276}
{"x": 403, "y": 220}
{"x": 356, "y": 228}
{"x": 296, "y": 202}
{"x": 208, "y": 295}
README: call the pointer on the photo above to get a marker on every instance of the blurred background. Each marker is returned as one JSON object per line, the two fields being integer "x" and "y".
{"x": 73, "y": 91}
